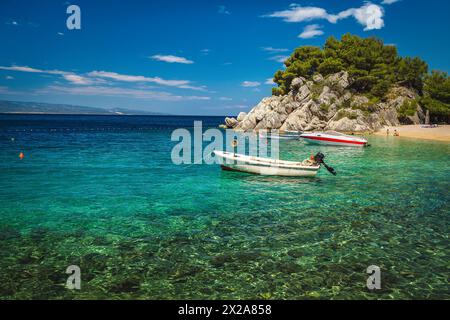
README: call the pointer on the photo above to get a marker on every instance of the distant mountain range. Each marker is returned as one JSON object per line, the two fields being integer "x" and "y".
{"x": 18, "y": 107}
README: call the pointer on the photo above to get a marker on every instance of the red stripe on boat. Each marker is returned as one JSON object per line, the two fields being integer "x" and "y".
{"x": 335, "y": 140}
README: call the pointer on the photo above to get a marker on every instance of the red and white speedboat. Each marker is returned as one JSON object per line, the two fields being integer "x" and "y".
{"x": 334, "y": 138}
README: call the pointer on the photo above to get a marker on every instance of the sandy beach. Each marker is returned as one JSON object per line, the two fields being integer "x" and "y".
{"x": 441, "y": 133}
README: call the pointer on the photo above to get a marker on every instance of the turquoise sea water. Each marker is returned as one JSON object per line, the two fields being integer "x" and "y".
{"x": 103, "y": 194}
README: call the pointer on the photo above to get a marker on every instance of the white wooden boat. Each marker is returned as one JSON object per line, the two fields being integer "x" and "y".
{"x": 334, "y": 138}
{"x": 265, "y": 166}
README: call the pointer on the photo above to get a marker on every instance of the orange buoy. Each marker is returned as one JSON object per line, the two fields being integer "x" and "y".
{"x": 21, "y": 155}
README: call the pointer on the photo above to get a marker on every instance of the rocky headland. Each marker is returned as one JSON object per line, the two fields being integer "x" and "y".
{"x": 329, "y": 103}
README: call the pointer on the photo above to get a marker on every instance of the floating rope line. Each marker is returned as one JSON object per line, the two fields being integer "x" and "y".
{"x": 84, "y": 129}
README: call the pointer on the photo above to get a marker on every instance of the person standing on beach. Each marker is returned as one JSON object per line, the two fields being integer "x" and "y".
{"x": 387, "y": 131}
{"x": 396, "y": 134}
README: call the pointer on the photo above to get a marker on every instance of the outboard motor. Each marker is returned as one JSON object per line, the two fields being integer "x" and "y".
{"x": 318, "y": 158}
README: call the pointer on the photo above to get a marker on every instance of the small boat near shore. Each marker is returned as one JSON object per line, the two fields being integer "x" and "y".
{"x": 334, "y": 138}
{"x": 282, "y": 135}
{"x": 265, "y": 166}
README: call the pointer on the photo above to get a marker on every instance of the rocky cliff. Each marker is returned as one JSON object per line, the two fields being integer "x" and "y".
{"x": 330, "y": 104}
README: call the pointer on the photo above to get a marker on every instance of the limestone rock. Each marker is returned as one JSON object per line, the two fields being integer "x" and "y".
{"x": 317, "y": 78}
{"x": 339, "y": 80}
{"x": 303, "y": 93}
{"x": 359, "y": 101}
{"x": 297, "y": 83}
{"x": 327, "y": 97}
{"x": 334, "y": 107}
{"x": 348, "y": 125}
{"x": 231, "y": 122}
{"x": 241, "y": 116}
{"x": 272, "y": 120}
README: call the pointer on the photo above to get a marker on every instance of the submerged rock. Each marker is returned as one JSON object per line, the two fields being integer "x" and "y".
{"x": 94, "y": 262}
{"x": 7, "y": 233}
{"x": 247, "y": 256}
{"x": 289, "y": 267}
{"x": 130, "y": 284}
{"x": 220, "y": 260}
{"x": 295, "y": 253}
{"x": 187, "y": 271}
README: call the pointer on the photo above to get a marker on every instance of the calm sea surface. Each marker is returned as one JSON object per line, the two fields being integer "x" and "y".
{"x": 102, "y": 193}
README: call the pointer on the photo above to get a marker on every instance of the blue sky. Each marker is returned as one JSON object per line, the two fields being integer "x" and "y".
{"x": 190, "y": 57}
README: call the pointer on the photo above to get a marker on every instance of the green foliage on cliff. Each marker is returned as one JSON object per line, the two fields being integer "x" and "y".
{"x": 408, "y": 108}
{"x": 374, "y": 68}
{"x": 345, "y": 114}
{"x": 436, "y": 96}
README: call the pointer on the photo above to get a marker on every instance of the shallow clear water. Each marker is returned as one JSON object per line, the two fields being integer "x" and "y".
{"x": 102, "y": 193}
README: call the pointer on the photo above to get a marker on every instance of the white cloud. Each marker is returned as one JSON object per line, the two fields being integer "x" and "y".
{"x": 236, "y": 106}
{"x": 182, "y": 84}
{"x": 223, "y": 10}
{"x": 15, "y": 23}
{"x": 279, "y": 58}
{"x": 311, "y": 31}
{"x": 120, "y": 92}
{"x": 76, "y": 79}
{"x": 369, "y": 15}
{"x": 389, "y": 1}
{"x": 130, "y": 78}
{"x": 250, "y": 84}
{"x": 274, "y": 50}
{"x": 96, "y": 76}
{"x": 171, "y": 59}
{"x": 12, "y": 23}
{"x": 21, "y": 69}
{"x": 69, "y": 76}
{"x": 269, "y": 81}
{"x": 197, "y": 88}
{"x": 225, "y": 99}
{"x": 32, "y": 70}
{"x": 297, "y": 13}
{"x": 205, "y": 51}
{"x": 9, "y": 78}
{"x": 60, "y": 34}
{"x": 227, "y": 107}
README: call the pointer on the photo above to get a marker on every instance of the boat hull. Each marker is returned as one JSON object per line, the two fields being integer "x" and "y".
{"x": 268, "y": 171}
{"x": 334, "y": 141}
{"x": 262, "y": 166}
